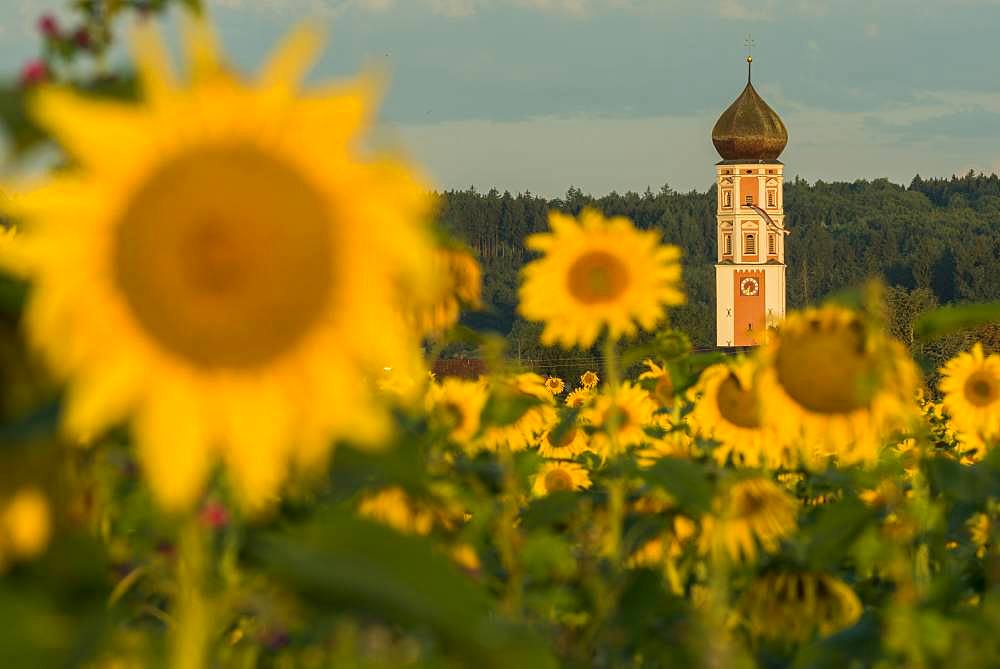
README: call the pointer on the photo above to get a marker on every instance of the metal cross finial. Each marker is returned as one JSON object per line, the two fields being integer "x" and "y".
{"x": 749, "y": 44}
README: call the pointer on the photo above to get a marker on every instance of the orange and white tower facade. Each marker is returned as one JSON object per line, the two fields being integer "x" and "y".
{"x": 750, "y": 270}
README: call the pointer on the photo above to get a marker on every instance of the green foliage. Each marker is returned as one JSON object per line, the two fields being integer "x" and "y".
{"x": 685, "y": 481}
{"x": 947, "y": 320}
{"x": 335, "y": 560}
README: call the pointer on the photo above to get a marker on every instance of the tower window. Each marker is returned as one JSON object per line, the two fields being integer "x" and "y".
{"x": 727, "y": 199}
{"x": 772, "y": 244}
{"x": 749, "y": 200}
{"x": 727, "y": 244}
{"x": 750, "y": 245}
{"x": 771, "y": 199}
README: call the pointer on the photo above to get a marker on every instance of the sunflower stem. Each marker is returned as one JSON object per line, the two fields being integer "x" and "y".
{"x": 507, "y": 533}
{"x": 611, "y": 371}
{"x": 190, "y": 636}
{"x": 616, "y": 484}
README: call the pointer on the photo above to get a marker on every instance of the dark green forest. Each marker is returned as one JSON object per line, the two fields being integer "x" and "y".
{"x": 934, "y": 242}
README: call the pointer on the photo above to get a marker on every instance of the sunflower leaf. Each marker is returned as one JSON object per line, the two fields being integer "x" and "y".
{"x": 685, "y": 481}
{"x": 552, "y": 510}
{"x": 336, "y": 561}
{"x": 566, "y": 423}
{"x": 947, "y": 320}
{"x": 504, "y": 408}
{"x": 12, "y": 295}
{"x": 835, "y": 530}
{"x": 963, "y": 483}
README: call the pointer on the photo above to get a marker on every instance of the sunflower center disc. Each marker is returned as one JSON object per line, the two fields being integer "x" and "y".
{"x": 563, "y": 441}
{"x": 981, "y": 389}
{"x": 738, "y": 405}
{"x": 664, "y": 390}
{"x": 557, "y": 480}
{"x": 224, "y": 257}
{"x": 596, "y": 277}
{"x": 826, "y": 370}
{"x": 749, "y": 503}
{"x": 454, "y": 415}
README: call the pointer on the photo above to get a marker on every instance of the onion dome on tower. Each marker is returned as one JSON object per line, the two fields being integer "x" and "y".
{"x": 749, "y": 130}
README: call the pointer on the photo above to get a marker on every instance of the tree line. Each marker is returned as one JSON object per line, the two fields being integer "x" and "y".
{"x": 936, "y": 241}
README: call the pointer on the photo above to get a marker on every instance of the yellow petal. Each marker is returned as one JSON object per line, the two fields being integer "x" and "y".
{"x": 155, "y": 73}
{"x": 89, "y": 130}
{"x": 174, "y": 447}
{"x": 258, "y": 432}
{"x": 202, "y": 50}
{"x": 292, "y": 59}
{"x": 102, "y": 396}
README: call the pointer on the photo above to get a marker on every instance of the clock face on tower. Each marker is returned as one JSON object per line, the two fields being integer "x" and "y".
{"x": 749, "y": 286}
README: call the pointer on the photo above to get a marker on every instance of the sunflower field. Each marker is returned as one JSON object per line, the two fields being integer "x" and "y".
{"x": 221, "y": 444}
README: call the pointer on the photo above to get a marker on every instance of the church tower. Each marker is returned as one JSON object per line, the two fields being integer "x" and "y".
{"x": 750, "y": 270}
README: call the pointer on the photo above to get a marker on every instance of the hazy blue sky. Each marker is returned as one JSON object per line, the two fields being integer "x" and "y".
{"x": 622, "y": 94}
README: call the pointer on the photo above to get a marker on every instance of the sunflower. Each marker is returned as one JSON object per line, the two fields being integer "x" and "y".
{"x": 222, "y": 267}
{"x": 979, "y": 531}
{"x": 971, "y": 385}
{"x": 25, "y": 525}
{"x": 597, "y": 272}
{"x": 728, "y": 410}
{"x": 458, "y": 404}
{"x": 579, "y": 398}
{"x": 589, "y": 380}
{"x": 834, "y": 385}
{"x": 749, "y": 511}
{"x": 662, "y": 388}
{"x": 676, "y": 443}
{"x": 10, "y": 257}
{"x": 555, "y": 385}
{"x": 458, "y": 282}
{"x": 560, "y": 475}
{"x": 567, "y": 446}
{"x": 529, "y": 426}
{"x": 623, "y": 414}
{"x": 796, "y": 605}
{"x": 394, "y": 508}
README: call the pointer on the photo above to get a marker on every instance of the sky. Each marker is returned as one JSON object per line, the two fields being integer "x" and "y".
{"x": 541, "y": 95}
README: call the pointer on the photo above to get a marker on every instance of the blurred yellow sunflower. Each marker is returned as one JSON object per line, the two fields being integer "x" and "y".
{"x": 748, "y": 512}
{"x": 623, "y": 415}
{"x": 560, "y": 475}
{"x": 458, "y": 404}
{"x": 579, "y": 398}
{"x": 589, "y": 380}
{"x": 595, "y": 273}
{"x": 662, "y": 389}
{"x": 797, "y": 605}
{"x": 222, "y": 267}
{"x": 394, "y": 508}
{"x": 25, "y": 525}
{"x": 676, "y": 443}
{"x": 10, "y": 257}
{"x": 526, "y": 430}
{"x": 458, "y": 283}
{"x": 565, "y": 446}
{"x": 834, "y": 385}
{"x": 555, "y": 385}
{"x": 971, "y": 385}
{"x": 979, "y": 531}
{"x": 728, "y": 410}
